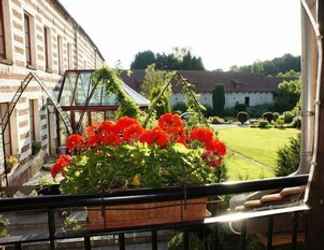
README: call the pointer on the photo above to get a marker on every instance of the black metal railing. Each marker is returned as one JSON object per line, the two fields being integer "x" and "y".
{"x": 56, "y": 203}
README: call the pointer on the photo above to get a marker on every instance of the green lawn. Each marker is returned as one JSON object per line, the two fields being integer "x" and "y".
{"x": 253, "y": 144}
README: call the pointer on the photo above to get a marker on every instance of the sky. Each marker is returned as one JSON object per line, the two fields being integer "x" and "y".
{"x": 222, "y": 32}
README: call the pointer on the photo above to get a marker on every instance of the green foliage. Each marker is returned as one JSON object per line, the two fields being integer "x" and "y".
{"x": 153, "y": 83}
{"x": 92, "y": 172}
{"x": 219, "y": 100}
{"x": 280, "y": 122}
{"x": 263, "y": 124}
{"x": 110, "y": 79}
{"x": 180, "y": 107}
{"x": 3, "y": 228}
{"x": 271, "y": 67}
{"x": 143, "y": 59}
{"x": 179, "y": 59}
{"x": 289, "y": 75}
{"x": 239, "y": 107}
{"x": 287, "y": 96}
{"x": 288, "y": 116}
{"x": 268, "y": 116}
{"x": 242, "y": 117}
{"x": 288, "y": 157}
{"x": 258, "y": 110}
{"x": 296, "y": 123}
{"x": 275, "y": 116}
{"x": 208, "y": 110}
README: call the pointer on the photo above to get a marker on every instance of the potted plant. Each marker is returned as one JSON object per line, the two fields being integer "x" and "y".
{"x": 123, "y": 154}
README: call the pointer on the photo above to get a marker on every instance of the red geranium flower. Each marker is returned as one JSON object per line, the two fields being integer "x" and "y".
{"x": 61, "y": 163}
{"x": 171, "y": 123}
{"x": 203, "y": 135}
{"x": 92, "y": 138}
{"x": 123, "y": 123}
{"x": 106, "y": 134}
{"x": 155, "y": 135}
{"x": 133, "y": 132}
{"x": 216, "y": 146}
{"x": 213, "y": 160}
{"x": 74, "y": 142}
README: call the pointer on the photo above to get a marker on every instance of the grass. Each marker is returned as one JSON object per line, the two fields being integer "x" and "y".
{"x": 253, "y": 151}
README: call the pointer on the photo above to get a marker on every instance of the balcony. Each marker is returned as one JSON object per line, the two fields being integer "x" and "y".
{"x": 38, "y": 222}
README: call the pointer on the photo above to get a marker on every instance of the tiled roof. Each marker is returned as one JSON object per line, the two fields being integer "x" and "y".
{"x": 205, "y": 81}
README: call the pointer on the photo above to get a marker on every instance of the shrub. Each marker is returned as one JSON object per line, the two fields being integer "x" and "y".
{"x": 239, "y": 107}
{"x": 296, "y": 123}
{"x": 216, "y": 120}
{"x": 229, "y": 112}
{"x": 275, "y": 116}
{"x": 219, "y": 100}
{"x": 263, "y": 124}
{"x": 268, "y": 116}
{"x": 180, "y": 106}
{"x": 280, "y": 122}
{"x": 288, "y": 157}
{"x": 242, "y": 117}
{"x": 288, "y": 116}
{"x": 258, "y": 110}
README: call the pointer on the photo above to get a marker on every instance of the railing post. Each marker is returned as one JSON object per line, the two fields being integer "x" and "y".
{"x": 270, "y": 233}
{"x": 51, "y": 228}
{"x": 243, "y": 236}
{"x": 154, "y": 240}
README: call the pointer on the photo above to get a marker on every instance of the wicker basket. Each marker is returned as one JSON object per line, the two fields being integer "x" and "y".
{"x": 147, "y": 214}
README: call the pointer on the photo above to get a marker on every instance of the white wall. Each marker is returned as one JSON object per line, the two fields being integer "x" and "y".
{"x": 256, "y": 98}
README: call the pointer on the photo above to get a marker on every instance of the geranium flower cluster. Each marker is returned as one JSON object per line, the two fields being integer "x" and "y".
{"x": 170, "y": 129}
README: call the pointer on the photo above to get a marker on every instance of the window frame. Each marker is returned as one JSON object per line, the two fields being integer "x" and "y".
{"x": 3, "y": 36}
{"x": 48, "y": 49}
{"x": 59, "y": 55}
{"x": 28, "y": 40}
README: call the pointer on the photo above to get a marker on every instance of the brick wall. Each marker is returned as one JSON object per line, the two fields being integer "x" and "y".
{"x": 66, "y": 43}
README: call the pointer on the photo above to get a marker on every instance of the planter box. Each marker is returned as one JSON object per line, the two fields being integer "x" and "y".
{"x": 147, "y": 214}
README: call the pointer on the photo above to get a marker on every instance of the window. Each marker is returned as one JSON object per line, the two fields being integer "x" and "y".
{"x": 69, "y": 54}
{"x": 28, "y": 49}
{"x": 32, "y": 104}
{"x": 59, "y": 54}
{"x": 2, "y": 33}
{"x": 46, "y": 48}
{"x": 7, "y": 134}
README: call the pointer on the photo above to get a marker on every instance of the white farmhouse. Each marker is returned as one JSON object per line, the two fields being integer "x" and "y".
{"x": 243, "y": 88}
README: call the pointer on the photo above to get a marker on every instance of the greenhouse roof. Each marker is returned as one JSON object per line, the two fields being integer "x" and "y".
{"x": 77, "y": 89}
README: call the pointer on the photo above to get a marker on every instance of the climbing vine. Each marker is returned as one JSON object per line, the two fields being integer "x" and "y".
{"x": 195, "y": 109}
{"x": 113, "y": 84}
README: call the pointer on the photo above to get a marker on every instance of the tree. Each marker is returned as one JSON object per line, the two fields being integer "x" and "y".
{"x": 143, "y": 59}
{"x": 153, "y": 82}
{"x": 287, "y": 96}
{"x": 219, "y": 100}
{"x": 179, "y": 59}
{"x": 271, "y": 67}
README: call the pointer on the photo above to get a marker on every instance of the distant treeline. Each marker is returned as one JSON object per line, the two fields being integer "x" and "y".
{"x": 271, "y": 67}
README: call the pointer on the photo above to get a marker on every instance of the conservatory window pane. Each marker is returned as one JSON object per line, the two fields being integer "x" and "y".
{"x": 83, "y": 88}
{"x": 68, "y": 89}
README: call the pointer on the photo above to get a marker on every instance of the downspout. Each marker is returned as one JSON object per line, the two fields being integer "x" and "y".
{"x": 308, "y": 77}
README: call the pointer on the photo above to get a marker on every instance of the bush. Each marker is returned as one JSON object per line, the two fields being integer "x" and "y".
{"x": 288, "y": 157}
{"x": 263, "y": 124}
{"x": 268, "y": 116}
{"x": 280, "y": 122}
{"x": 275, "y": 116}
{"x": 218, "y": 100}
{"x": 229, "y": 112}
{"x": 296, "y": 123}
{"x": 288, "y": 116}
{"x": 216, "y": 120}
{"x": 242, "y": 117}
{"x": 239, "y": 107}
{"x": 258, "y": 110}
{"x": 180, "y": 106}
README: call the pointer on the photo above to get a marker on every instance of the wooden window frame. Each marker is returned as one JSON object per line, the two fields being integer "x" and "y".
{"x": 3, "y": 38}
{"x": 59, "y": 55}
{"x": 28, "y": 40}
{"x": 10, "y": 149}
{"x": 46, "y": 49}
{"x": 32, "y": 119}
